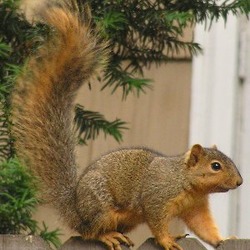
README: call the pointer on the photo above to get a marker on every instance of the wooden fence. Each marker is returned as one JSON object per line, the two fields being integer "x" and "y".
{"x": 19, "y": 242}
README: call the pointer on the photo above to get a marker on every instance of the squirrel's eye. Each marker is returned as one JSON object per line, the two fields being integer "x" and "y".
{"x": 216, "y": 166}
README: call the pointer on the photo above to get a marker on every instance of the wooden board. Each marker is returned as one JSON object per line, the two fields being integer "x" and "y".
{"x": 235, "y": 244}
{"x": 186, "y": 244}
{"x": 77, "y": 243}
{"x": 22, "y": 242}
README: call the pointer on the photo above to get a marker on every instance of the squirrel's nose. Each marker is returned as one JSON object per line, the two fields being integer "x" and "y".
{"x": 239, "y": 181}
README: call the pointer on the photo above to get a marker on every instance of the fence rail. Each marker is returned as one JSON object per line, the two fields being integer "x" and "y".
{"x": 19, "y": 242}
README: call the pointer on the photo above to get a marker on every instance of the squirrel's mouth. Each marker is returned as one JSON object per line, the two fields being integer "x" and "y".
{"x": 221, "y": 189}
{"x": 224, "y": 188}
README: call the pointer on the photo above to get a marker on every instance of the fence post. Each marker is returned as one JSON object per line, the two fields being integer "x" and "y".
{"x": 185, "y": 243}
{"x": 190, "y": 244}
{"x": 235, "y": 244}
{"x": 22, "y": 242}
{"x": 77, "y": 243}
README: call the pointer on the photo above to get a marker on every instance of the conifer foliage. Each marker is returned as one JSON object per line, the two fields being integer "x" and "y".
{"x": 145, "y": 32}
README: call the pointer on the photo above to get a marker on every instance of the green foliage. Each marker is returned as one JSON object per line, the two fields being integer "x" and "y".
{"x": 89, "y": 124}
{"x": 50, "y": 236}
{"x": 16, "y": 199}
{"x": 146, "y": 32}
{"x": 116, "y": 77}
{"x": 18, "y": 202}
{"x": 4, "y": 111}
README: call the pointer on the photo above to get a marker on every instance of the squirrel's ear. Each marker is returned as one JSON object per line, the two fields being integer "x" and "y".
{"x": 194, "y": 155}
{"x": 214, "y": 147}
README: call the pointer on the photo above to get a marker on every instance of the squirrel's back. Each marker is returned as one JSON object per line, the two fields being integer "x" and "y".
{"x": 124, "y": 172}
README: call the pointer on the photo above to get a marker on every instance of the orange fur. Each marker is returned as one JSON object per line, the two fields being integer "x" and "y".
{"x": 200, "y": 221}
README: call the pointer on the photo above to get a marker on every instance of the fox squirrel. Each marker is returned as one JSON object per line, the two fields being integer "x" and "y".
{"x": 122, "y": 188}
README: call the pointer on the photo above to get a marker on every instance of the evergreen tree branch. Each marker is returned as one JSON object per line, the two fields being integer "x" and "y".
{"x": 146, "y": 32}
{"x": 89, "y": 124}
{"x": 18, "y": 201}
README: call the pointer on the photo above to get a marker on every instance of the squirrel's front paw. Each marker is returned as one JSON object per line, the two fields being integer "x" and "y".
{"x": 113, "y": 240}
{"x": 228, "y": 238}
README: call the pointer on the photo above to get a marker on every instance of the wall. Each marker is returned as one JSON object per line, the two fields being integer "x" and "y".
{"x": 243, "y": 129}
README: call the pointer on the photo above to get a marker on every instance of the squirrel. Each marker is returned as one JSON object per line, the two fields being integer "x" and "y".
{"x": 122, "y": 188}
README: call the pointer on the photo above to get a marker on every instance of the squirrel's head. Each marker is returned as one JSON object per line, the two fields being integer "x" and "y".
{"x": 211, "y": 170}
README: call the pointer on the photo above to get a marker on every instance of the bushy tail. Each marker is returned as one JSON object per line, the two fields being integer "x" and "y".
{"x": 43, "y": 97}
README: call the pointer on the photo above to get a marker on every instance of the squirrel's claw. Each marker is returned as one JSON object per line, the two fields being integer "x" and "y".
{"x": 177, "y": 247}
{"x": 173, "y": 246}
{"x": 170, "y": 244}
{"x": 114, "y": 239}
{"x": 130, "y": 242}
{"x": 178, "y": 237}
